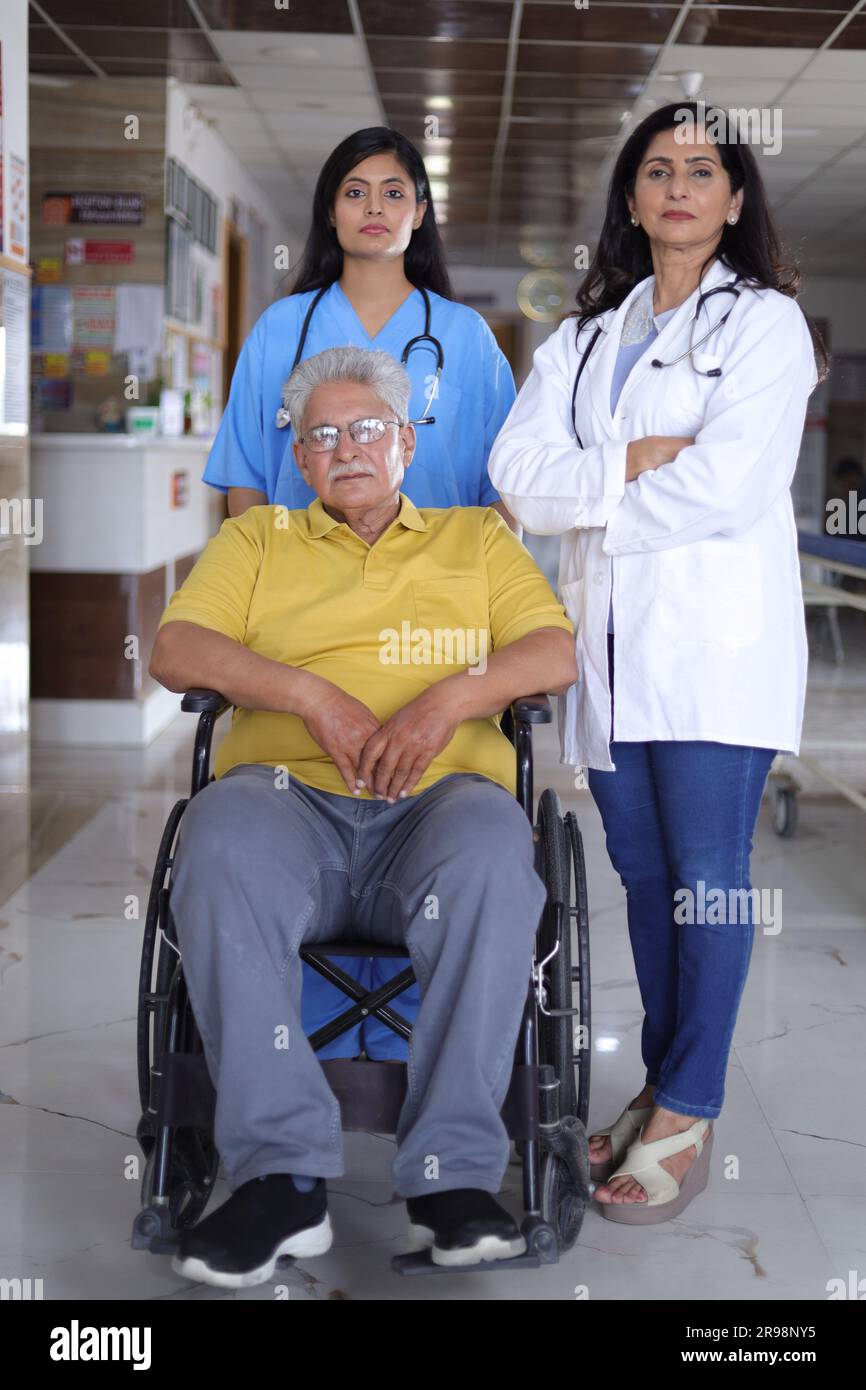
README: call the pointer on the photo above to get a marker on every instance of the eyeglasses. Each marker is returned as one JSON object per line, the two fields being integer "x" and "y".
{"x": 322, "y": 438}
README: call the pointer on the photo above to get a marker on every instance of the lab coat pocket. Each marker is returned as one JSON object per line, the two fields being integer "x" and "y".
{"x": 682, "y": 404}
{"x": 453, "y": 615}
{"x": 711, "y": 592}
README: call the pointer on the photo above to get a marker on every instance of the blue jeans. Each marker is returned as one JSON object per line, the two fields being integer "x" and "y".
{"x": 676, "y": 814}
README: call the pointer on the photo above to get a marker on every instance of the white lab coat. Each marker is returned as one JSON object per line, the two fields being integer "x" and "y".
{"x": 710, "y": 639}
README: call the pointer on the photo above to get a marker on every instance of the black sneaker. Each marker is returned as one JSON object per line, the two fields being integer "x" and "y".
{"x": 239, "y": 1244}
{"x": 463, "y": 1227}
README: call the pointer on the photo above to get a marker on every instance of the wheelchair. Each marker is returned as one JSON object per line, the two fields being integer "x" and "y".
{"x": 546, "y": 1107}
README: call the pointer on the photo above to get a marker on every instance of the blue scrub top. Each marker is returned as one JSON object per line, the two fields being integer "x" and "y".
{"x": 449, "y": 467}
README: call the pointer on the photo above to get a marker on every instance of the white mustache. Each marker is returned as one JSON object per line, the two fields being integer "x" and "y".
{"x": 339, "y": 470}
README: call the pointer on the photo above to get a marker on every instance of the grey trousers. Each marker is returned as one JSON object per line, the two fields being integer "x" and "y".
{"x": 261, "y": 868}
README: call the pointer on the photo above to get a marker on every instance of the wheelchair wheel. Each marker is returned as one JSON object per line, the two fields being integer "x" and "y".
{"x": 153, "y": 986}
{"x": 165, "y": 1022}
{"x": 194, "y": 1161}
{"x": 556, "y": 1043}
{"x": 582, "y": 1023}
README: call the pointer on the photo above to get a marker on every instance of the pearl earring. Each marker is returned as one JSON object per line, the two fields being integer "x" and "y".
{"x": 634, "y": 221}
{"x": 732, "y": 219}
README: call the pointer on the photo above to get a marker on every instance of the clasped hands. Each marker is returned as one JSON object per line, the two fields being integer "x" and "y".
{"x": 387, "y": 759}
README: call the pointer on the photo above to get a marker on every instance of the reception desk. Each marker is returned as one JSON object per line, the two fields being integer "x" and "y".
{"x": 123, "y": 521}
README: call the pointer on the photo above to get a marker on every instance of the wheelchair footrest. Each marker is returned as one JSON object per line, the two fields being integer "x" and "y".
{"x": 152, "y": 1230}
{"x": 541, "y": 1249}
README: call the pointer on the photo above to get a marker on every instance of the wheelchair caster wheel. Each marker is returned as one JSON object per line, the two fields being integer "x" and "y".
{"x": 784, "y": 812}
{"x": 540, "y": 1241}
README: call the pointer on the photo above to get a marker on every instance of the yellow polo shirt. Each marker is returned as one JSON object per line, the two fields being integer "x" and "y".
{"x": 438, "y": 589}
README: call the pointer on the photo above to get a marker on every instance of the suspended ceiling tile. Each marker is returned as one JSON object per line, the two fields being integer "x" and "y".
{"x": 598, "y": 23}
{"x": 275, "y": 101}
{"x": 60, "y": 64}
{"x": 323, "y": 127}
{"x": 212, "y": 74}
{"x": 577, "y": 87}
{"x": 43, "y": 41}
{"x": 102, "y": 43}
{"x": 454, "y": 19}
{"x": 288, "y": 50}
{"x": 155, "y": 14}
{"x": 834, "y": 65}
{"x": 853, "y": 36}
{"x": 759, "y": 29}
{"x": 407, "y": 107}
{"x": 464, "y": 126}
{"x": 263, "y": 16}
{"x": 837, "y": 7}
{"x": 218, "y": 100}
{"x": 305, "y": 80}
{"x": 741, "y": 62}
{"x": 819, "y": 93}
{"x": 581, "y": 59}
{"x": 479, "y": 57}
{"x": 438, "y": 81}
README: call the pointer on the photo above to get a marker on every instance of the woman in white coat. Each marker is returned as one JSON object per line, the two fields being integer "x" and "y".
{"x": 667, "y": 472}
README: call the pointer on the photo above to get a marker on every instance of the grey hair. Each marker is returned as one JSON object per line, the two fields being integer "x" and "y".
{"x": 378, "y": 370}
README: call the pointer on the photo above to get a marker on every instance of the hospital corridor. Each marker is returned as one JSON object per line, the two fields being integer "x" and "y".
{"x": 432, "y": 669}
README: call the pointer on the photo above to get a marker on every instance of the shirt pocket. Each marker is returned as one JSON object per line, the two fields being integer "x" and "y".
{"x": 711, "y": 592}
{"x": 453, "y": 612}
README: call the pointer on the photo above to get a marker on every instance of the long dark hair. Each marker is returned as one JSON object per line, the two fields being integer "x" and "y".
{"x": 751, "y": 247}
{"x": 322, "y": 258}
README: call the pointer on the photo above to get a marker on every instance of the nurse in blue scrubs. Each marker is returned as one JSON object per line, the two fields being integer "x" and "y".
{"x": 372, "y": 275}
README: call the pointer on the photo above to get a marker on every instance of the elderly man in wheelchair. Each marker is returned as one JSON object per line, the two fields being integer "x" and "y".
{"x": 368, "y": 648}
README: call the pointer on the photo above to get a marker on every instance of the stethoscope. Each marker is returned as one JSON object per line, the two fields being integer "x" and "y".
{"x": 282, "y": 417}
{"x": 730, "y": 288}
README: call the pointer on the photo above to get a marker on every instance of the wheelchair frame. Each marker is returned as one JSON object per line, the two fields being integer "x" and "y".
{"x": 547, "y": 1103}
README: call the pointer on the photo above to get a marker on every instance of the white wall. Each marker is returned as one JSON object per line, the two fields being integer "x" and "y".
{"x": 209, "y": 160}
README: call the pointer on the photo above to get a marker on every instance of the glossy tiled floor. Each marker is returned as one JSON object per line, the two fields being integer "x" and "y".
{"x": 794, "y": 1119}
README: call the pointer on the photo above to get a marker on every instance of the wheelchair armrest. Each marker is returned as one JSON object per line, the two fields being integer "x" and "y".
{"x": 198, "y": 701}
{"x": 532, "y": 709}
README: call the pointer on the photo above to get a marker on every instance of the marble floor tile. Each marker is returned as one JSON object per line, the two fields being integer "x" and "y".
{"x": 786, "y": 1206}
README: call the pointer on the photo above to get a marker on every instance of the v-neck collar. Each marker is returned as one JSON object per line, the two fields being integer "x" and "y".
{"x": 601, "y": 365}
{"x": 389, "y": 324}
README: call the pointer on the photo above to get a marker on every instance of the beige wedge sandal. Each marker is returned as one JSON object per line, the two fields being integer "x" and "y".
{"x": 665, "y": 1197}
{"x": 622, "y": 1132}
